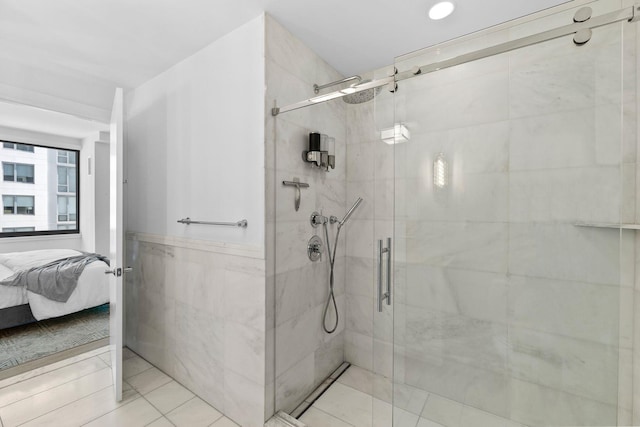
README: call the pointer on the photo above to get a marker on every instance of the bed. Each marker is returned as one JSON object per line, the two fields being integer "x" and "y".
{"x": 19, "y": 306}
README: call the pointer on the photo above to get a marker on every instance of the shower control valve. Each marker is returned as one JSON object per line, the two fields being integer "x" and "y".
{"x": 314, "y": 248}
{"x": 317, "y": 219}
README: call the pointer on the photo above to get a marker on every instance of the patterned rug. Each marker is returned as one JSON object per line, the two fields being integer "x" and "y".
{"x": 30, "y": 342}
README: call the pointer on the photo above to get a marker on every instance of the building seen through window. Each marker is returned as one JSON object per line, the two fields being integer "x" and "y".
{"x": 39, "y": 190}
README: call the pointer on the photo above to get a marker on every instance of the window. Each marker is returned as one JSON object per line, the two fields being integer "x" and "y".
{"x": 67, "y": 157}
{"x": 18, "y": 172}
{"x": 16, "y": 146}
{"x": 47, "y": 205}
{"x": 66, "y": 179}
{"x": 66, "y": 208}
{"x": 18, "y": 205}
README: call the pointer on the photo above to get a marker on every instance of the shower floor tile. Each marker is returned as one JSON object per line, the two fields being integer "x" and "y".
{"x": 360, "y": 398}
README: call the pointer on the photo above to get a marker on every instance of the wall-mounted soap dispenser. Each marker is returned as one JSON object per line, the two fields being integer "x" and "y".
{"x": 321, "y": 151}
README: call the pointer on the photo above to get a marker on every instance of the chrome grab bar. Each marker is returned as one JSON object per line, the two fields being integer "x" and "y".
{"x": 387, "y": 294}
{"x": 242, "y": 223}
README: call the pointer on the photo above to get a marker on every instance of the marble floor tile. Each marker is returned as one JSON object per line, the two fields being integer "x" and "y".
{"x": 317, "y": 418}
{"x": 224, "y": 422}
{"x": 148, "y": 380}
{"x": 84, "y": 410}
{"x": 194, "y": 413}
{"x": 134, "y": 366}
{"x": 168, "y": 397}
{"x": 423, "y": 422}
{"x": 137, "y": 413}
{"x": 358, "y": 378}
{"x": 347, "y": 404}
{"x": 52, "y": 367}
{"x": 161, "y": 422}
{"x": 49, "y": 380}
{"x": 444, "y": 411}
{"x": 78, "y": 392}
{"x": 39, "y": 404}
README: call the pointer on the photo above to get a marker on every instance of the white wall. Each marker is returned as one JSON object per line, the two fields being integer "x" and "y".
{"x": 194, "y": 143}
{"x": 195, "y": 302}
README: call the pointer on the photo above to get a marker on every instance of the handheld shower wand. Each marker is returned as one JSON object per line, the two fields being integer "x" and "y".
{"x": 332, "y": 259}
{"x": 350, "y": 212}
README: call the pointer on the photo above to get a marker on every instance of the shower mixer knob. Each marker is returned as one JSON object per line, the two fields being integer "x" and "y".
{"x": 317, "y": 219}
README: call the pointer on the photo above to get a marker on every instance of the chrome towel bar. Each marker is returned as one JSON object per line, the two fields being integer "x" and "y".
{"x": 242, "y": 223}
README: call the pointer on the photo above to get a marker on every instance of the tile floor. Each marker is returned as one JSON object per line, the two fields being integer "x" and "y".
{"x": 361, "y": 398}
{"x": 78, "y": 392}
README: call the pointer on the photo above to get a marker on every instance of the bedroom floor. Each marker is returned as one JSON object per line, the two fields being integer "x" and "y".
{"x": 78, "y": 392}
{"x": 40, "y": 339}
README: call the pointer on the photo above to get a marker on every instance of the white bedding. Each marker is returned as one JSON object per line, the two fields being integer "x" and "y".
{"x": 92, "y": 289}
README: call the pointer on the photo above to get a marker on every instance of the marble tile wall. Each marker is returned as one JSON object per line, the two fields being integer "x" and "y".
{"x": 370, "y": 175}
{"x": 301, "y": 355}
{"x": 199, "y": 316}
{"x": 502, "y": 303}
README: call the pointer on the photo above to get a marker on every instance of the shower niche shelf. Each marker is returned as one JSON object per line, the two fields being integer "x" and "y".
{"x": 608, "y": 225}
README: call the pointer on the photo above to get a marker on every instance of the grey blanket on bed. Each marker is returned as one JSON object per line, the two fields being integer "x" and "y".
{"x": 56, "y": 280}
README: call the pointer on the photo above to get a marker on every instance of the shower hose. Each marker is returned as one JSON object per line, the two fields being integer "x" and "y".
{"x": 332, "y": 298}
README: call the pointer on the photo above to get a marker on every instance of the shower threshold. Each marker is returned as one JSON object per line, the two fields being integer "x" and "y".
{"x": 319, "y": 391}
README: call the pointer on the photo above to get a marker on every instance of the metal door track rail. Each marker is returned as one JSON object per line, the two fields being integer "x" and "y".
{"x": 630, "y": 14}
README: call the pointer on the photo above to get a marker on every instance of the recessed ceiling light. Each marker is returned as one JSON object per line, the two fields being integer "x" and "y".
{"x": 441, "y": 10}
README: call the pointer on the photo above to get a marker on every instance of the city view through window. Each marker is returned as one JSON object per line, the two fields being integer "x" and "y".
{"x": 39, "y": 190}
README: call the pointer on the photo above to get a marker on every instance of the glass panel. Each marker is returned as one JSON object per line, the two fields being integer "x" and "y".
{"x": 62, "y": 156}
{"x": 24, "y": 147}
{"x": 71, "y": 203}
{"x": 506, "y": 310}
{"x": 25, "y": 205}
{"x": 9, "y": 145}
{"x": 8, "y": 171}
{"x": 8, "y": 203}
{"x": 24, "y": 192}
{"x": 24, "y": 173}
{"x": 63, "y": 180}
{"x": 71, "y": 172}
{"x": 62, "y": 208}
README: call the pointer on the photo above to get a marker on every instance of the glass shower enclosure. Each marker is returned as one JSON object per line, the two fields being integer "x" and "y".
{"x": 487, "y": 277}
{"x": 509, "y": 251}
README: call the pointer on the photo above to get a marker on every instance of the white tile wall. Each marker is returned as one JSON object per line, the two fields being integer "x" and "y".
{"x": 203, "y": 323}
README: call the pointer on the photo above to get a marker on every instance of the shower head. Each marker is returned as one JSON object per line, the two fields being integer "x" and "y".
{"x": 363, "y": 96}
{"x": 350, "y": 212}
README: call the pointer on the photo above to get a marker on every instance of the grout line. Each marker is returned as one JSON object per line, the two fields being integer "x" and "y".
{"x": 165, "y": 415}
{"x": 424, "y": 405}
{"x": 49, "y": 390}
{"x": 148, "y": 424}
{"x": 153, "y": 389}
{"x": 106, "y": 413}
{"x": 141, "y": 372}
{"x": 48, "y": 368}
{"x": 159, "y": 418}
{"x": 67, "y": 404}
{"x": 336, "y": 417}
{"x": 57, "y": 385}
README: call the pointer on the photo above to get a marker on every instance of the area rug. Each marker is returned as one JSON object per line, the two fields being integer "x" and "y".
{"x": 36, "y": 340}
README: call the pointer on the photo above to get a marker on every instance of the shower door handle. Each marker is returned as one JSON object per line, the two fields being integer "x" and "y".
{"x": 387, "y": 294}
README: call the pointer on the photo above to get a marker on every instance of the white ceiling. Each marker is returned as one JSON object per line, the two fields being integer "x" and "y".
{"x": 18, "y": 116}
{"x": 127, "y": 42}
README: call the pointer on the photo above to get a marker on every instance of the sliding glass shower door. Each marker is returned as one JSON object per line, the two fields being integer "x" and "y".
{"x": 507, "y": 232}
